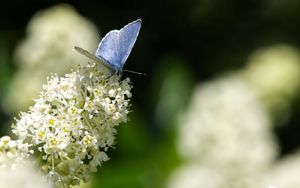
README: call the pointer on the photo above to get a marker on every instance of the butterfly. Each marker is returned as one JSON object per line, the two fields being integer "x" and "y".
{"x": 115, "y": 47}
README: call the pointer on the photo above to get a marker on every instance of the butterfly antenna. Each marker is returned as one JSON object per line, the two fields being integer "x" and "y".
{"x": 134, "y": 72}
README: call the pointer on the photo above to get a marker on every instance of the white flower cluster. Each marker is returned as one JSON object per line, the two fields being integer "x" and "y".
{"x": 273, "y": 73}
{"x": 12, "y": 151}
{"x": 224, "y": 137}
{"x": 22, "y": 174}
{"x": 225, "y": 117}
{"x": 73, "y": 122}
{"x": 285, "y": 173}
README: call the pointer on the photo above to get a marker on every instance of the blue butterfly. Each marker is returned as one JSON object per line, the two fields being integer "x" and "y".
{"x": 115, "y": 47}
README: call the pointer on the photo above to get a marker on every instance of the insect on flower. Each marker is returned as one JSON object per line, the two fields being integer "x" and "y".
{"x": 115, "y": 47}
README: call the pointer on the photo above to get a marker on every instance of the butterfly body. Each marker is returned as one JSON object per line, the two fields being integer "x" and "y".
{"x": 115, "y": 47}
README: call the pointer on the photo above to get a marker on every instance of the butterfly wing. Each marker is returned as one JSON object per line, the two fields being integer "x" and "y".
{"x": 116, "y": 46}
{"x": 108, "y": 49}
{"x": 92, "y": 57}
{"x": 127, "y": 38}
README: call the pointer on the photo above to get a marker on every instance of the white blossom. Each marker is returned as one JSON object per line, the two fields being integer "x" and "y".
{"x": 224, "y": 138}
{"x": 22, "y": 174}
{"x": 285, "y": 172}
{"x": 13, "y": 151}
{"x": 225, "y": 123}
{"x": 73, "y": 122}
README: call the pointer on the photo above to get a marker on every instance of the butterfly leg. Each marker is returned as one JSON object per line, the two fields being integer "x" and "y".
{"x": 118, "y": 73}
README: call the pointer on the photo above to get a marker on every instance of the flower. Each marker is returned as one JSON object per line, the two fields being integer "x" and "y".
{"x": 224, "y": 136}
{"x": 285, "y": 173}
{"x": 16, "y": 168}
{"x": 73, "y": 122}
{"x": 226, "y": 133}
{"x": 13, "y": 151}
{"x": 273, "y": 74}
{"x": 223, "y": 122}
{"x": 195, "y": 176}
{"x": 22, "y": 174}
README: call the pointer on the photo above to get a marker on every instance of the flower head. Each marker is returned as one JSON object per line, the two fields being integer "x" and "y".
{"x": 12, "y": 151}
{"x": 73, "y": 123}
{"x": 22, "y": 174}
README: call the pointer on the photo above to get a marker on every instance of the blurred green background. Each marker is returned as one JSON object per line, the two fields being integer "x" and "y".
{"x": 181, "y": 45}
